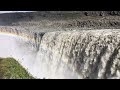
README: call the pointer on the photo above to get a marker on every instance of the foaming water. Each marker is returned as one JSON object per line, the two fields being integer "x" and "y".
{"x": 85, "y": 54}
{"x": 75, "y": 54}
{"x": 41, "y": 64}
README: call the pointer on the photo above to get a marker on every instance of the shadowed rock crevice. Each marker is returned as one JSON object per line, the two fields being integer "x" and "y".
{"x": 110, "y": 62}
{"x": 96, "y": 66}
{"x": 38, "y": 38}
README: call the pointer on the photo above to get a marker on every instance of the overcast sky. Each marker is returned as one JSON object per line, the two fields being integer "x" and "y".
{"x": 13, "y": 11}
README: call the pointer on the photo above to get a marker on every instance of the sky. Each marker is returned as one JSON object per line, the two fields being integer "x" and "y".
{"x": 13, "y": 11}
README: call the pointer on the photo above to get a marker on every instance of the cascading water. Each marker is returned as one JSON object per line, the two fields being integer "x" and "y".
{"x": 37, "y": 59}
{"x": 60, "y": 44}
{"x": 60, "y": 54}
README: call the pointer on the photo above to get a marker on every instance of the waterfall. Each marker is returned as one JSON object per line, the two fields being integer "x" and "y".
{"x": 64, "y": 54}
{"x": 32, "y": 55}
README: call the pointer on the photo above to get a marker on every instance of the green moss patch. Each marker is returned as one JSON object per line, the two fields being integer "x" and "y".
{"x": 11, "y": 69}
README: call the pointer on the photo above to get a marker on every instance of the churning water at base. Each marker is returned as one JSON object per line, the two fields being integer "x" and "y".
{"x": 38, "y": 63}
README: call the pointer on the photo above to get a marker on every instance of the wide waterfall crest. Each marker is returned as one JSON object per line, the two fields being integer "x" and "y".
{"x": 73, "y": 54}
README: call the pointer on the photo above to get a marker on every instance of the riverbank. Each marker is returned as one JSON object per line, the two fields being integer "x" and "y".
{"x": 11, "y": 69}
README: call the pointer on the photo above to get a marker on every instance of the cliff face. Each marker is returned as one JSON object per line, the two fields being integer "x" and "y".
{"x": 62, "y": 19}
{"x": 62, "y": 51}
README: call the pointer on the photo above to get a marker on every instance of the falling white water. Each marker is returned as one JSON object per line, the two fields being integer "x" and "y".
{"x": 38, "y": 63}
{"x": 83, "y": 54}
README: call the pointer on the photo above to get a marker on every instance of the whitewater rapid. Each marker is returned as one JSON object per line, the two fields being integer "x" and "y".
{"x": 64, "y": 55}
